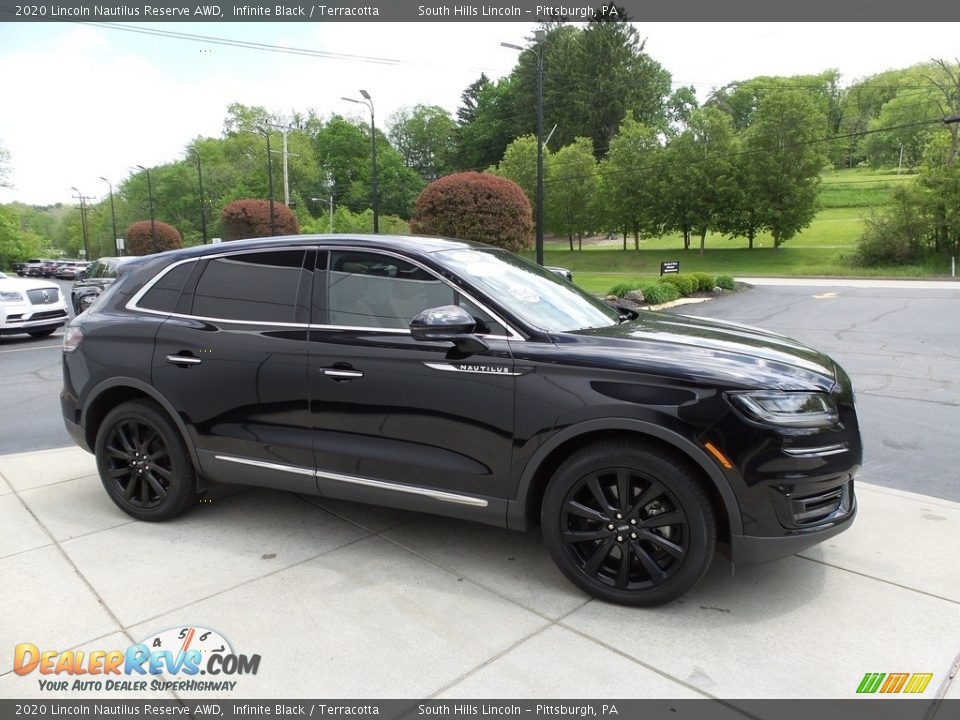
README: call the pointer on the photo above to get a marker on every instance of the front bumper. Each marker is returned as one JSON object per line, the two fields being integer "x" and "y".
{"x": 26, "y": 318}
{"x": 749, "y": 549}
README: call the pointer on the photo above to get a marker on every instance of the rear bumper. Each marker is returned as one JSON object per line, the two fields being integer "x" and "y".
{"x": 749, "y": 550}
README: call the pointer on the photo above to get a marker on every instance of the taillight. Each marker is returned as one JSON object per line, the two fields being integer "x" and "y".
{"x": 71, "y": 338}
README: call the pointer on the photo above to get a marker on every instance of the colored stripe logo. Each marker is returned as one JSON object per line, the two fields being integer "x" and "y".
{"x": 890, "y": 683}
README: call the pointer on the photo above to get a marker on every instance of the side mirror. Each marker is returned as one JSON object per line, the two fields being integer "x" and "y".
{"x": 448, "y": 323}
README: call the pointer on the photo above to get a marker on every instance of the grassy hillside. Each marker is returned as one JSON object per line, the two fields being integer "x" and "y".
{"x": 824, "y": 248}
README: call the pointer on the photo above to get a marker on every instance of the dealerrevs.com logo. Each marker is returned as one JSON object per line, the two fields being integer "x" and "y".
{"x": 170, "y": 660}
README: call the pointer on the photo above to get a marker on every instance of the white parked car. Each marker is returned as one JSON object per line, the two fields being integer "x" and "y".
{"x": 35, "y": 307}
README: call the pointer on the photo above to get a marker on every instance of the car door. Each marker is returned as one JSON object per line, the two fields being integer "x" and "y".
{"x": 398, "y": 421}
{"x": 232, "y": 360}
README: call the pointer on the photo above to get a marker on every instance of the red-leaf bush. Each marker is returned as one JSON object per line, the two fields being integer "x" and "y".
{"x": 139, "y": 238}
{"x": 251, "y": 219}
{"x": 475, "y": 206}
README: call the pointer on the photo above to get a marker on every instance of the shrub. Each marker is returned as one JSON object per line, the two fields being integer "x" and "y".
{"x": 686, "y": 284}
{"x": 658, "y": 292}
{"x": 621, "y": 289}
{"x": 251, "y": 219}
{"x": 139, "y": 238}
{"x": 726, "y": 282}
{"x": 705, "y": 281}
{"x": 475, "y": 206}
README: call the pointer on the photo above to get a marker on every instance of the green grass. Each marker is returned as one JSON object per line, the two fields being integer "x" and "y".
{"x": 825, "y": 248}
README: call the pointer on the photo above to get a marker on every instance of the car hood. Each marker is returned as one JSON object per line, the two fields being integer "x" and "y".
{"x": 23, "y": 284}
{"x": 711, "y": 351}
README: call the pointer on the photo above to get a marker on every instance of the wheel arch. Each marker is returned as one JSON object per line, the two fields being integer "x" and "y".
{"x": 110, "y": 393}
{"x": 523, "y": 511}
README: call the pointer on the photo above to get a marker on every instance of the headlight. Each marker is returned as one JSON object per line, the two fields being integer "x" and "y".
{"x": 792, "y": 409}
{"x": 11, "y": 297}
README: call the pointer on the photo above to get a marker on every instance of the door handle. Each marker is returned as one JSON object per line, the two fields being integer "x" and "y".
{"x": 342, "y": 373}
{"x": 183, "y": 360}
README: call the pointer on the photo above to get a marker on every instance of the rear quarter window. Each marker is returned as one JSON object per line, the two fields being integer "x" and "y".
{"x": 165, "y": 292}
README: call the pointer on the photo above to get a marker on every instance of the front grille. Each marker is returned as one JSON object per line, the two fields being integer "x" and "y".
{"x": 43, "y": 296}
{"x": 805, "y": 508}
{"x": 48, "y": 314}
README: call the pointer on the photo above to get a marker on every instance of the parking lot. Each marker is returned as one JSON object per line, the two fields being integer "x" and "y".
{"x": 346, "y": 600}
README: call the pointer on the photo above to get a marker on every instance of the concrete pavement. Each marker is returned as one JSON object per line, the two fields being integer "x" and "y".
{"x": 346, "y": 600}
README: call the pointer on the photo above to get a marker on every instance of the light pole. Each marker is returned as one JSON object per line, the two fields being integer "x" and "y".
{"x": 203, "y": 204}
{"x": 368, "y": 101}
{"x": 153, "y": 224}
{"x": 83, "y": 221}
{"x": 273, "y": 217}
{"x": 537, "y": 50}
{"x": 317, "y": 199}
{"x": 113, "y": 212}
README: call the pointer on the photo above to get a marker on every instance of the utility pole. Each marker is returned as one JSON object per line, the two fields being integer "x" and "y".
{"x": 368, "y": 101}
{"x": 153, "y": 225}
{"x": 285, "y": 129}
{"x": 83, "y": 219}
{"x": 330, "y": 200}
{"x": 113, "y": 212}
{"x": 203, "y": 202}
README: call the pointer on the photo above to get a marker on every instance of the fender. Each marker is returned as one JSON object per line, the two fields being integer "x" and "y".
{"x": 516, "y": 508}
{"x": 153, "y": 394}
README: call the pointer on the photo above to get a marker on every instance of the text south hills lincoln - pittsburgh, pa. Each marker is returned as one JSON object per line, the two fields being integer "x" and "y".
{"x": 188, "y": 11}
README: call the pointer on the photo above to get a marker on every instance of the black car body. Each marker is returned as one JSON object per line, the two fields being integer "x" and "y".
{"x": 94, "y": 279}
{"x": 453, "y": 378}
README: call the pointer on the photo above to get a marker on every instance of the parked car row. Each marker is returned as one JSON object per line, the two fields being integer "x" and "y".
{"x": 37, "y": 267}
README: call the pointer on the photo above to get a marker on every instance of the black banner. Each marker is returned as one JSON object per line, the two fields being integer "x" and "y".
{"x": 527, "y": 11}
{"x": 854, "y": 709}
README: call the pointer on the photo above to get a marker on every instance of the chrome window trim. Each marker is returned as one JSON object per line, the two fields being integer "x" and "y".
{"x": 440, "y": 495}
{"x": 132, "y": 304}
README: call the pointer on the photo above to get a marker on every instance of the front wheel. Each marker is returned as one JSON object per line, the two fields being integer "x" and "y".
{"x": 143, "y": 462}
{"x": 628, "y": 523}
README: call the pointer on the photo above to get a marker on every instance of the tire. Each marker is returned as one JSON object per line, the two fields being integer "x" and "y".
{"x": 619, "y": 551}
{"x": 41, "y": 333}
{"x": 143, "y": 462}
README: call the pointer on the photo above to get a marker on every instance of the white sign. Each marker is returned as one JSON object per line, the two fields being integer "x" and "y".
{"x": 119, "y": 243}
{"x": 216, "y": 241}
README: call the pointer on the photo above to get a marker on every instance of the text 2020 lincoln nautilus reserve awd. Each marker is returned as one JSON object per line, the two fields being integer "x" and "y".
{"x": 454, "y": 378}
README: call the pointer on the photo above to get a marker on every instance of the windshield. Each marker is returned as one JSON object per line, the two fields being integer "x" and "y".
{"x": 534, "y": 294}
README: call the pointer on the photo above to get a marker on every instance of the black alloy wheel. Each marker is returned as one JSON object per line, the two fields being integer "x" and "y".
{"x": 629, "y": 524}
{"x": 143, "y": 462}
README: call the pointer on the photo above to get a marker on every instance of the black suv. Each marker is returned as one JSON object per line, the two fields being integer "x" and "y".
{"x": 458, "y": 379}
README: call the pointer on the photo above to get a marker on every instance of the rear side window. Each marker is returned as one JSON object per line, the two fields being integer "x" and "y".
{"x": 250, "y": 287}
{"x": 165, "y": 292}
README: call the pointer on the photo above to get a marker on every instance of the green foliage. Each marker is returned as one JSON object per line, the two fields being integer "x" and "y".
{"x": 424, "y": 135}
{"x": 475, "y": 206}
{"x": 686, "y": 284}
{"x": 487, "y": 123}
{"x": 347, "y": 222}
{"x": 621, "y": 289}
{"x": 144, "y": 238}
{"x": 519, "y": 164}
{"x": 657, "y": 292}
{"x": 630, "y": 195}
{"x": 251, "y": 219}
{"x": 726, "y": 282}
{"x": 705, "y": 281}
{"x": 573, "y": 184}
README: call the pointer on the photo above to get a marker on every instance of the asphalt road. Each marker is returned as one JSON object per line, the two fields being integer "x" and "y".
{"x": 901, "y": 346}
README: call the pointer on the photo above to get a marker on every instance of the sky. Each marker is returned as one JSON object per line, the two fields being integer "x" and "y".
{"x": 83, "y": 101}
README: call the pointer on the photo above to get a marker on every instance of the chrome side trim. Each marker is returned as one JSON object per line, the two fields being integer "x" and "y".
{"x": 366, "y": 482}
{"x": 410, "y": 490}
{"x": 475, "y": 368}
{"x": 816, "y": 451}
{"x": 334, "y": 372}
{"x": 266, "y": 465}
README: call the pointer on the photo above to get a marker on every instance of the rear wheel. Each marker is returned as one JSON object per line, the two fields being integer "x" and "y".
{"x": 628, "y": 523}
{"x": 143, "y": 462}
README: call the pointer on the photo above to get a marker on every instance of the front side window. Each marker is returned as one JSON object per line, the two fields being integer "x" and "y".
{"x": 250, "y": 287}
{"x": 368, "y": 289}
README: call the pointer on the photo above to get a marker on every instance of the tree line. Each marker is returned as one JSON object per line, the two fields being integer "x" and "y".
{"x": 629, "y": 152}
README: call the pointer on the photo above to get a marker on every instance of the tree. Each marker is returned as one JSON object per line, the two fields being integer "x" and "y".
{"x": 475, "y": 206}
{"x": 487, "y": 123}
{"x": 702, "y": 172}
{"x": 4, "y": 168}
{"x": 571, "y": 195}
{"x": 631, "y": 186}
{"x": 424, "y": 137}
{"x": 144, "y": 238}
{"x": 785, "y": 143}
{"x": 519, "y": 164}
{"x": 251, "y": 219}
